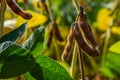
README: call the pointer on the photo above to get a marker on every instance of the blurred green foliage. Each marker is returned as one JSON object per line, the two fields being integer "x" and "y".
{"x": 103, "y": 16}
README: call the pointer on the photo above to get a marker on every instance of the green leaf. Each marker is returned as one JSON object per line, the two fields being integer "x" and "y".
{"x": 27, "y": 76}
{"x": 35, "y": 42}
{"x": 15, "y": 34}
{"x": 48, "y": 69}
{"x": 115, "y": 47}
{"x": 14, "y": 60}
{"x": 108, "y": 73}
{"x": 112, "y": 65}
{"x": 114, "y": 60}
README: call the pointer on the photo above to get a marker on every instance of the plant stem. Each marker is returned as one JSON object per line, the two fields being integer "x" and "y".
{"x": 50, "y": 12}
{"x": 2, "y": 13}
{"x": 106, "y": 41}
{"x": 56, "y": 49}
{"x": 93, "y": 63}
{"x": 80, "y": 57}
{"x": 74, "y": 61}
{"x": 75, "y": 53}
{"x": 76, "y": 5}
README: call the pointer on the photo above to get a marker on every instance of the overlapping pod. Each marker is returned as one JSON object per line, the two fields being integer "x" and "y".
{"x": 16, "y": 9}
{"x": 68, "y": 45}
{"x": 81, "y": 42}
{"x": 81, "y": 31}
{"x": 85, "y": 27}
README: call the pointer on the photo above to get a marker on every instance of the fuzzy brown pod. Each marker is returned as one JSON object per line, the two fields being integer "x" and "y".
{"x": 85, "y": 27}
{"x": 57, "y": 32}
{"x": 25, "y": 1}
{"x": 68, "y": 45}
{"x": 42, "y": 0}
{"x": 81, "y": 42}
{"x": 45, "y": 6}
{"x": 16, "y": 9}
{"x": 50, "y": 37}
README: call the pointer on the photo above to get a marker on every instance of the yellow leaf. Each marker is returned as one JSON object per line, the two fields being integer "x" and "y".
{"x": 116, "y": 30}
{"x": 115, "y": 47}
{"x": 37, "y": 19}
{"x": 8, "y": 15}
{"x": 38, "y": 6}
{"x": 6, "y": 30}
{"x": 20, "y": 0}
{"x": 104, "y": 19}
{"x": 65, "y": 65}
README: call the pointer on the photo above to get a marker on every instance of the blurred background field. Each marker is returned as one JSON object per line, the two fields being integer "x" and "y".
{"x": 102, "y": 15}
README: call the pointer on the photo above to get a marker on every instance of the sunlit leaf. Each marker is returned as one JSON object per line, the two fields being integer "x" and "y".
{"x": 6, "y": 30}
{"x": 104, "y": 19}
{"x": 35, "y": 42}
{"x": 48, "y": 69}
{"x": 14, "y": 60}
{"x": 115, "y": 47}
{"x": 112, "y": 67}
{"x": 8, "y": 15}
{"x": 20, "y": 0}
{"x": 107, "y": 72}
{"x": 36, "y": 20}
{"x": 15, "y": 34}
{"x": 116, "y": 30}
{"x": 37, "y": 5}
{"x": 27, "y": 76}
{"x": 65, "y": 65}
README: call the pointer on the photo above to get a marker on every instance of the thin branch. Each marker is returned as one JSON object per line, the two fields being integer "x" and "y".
{"x": 80, "y": 57}
{"x": 106, "y": 41}
{"x": 76, "y": 5}
{"x": 2, "y": 13}
{"x": 74, "y": 61}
